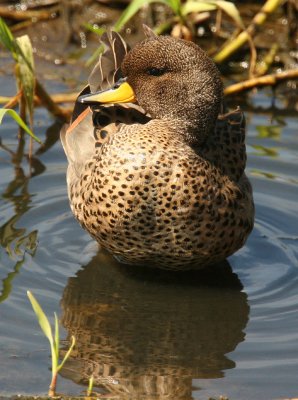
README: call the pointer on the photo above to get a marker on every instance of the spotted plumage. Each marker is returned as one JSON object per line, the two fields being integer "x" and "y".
{"x": 160, "y": 182}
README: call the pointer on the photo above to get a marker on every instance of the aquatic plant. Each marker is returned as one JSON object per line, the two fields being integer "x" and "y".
{"x": 13, "y": 114}
{"x": 181, "y": 11}
{"x": 53, "y": 339}
{"x": 21, "y": 51}
{"x": 90, "y": 386}
{"x": 28, "y": 85}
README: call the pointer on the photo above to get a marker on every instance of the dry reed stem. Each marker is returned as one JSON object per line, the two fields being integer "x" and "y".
{"x": 268, "y": 8}
{"x": 266, "y": 80}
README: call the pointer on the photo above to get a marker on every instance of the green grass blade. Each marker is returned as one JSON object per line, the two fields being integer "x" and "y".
{"x": 7, "y": 39}
{"x": 73, "y": 342}
{"x": 193, "y": 6}
{"x": 229, "y": 8}
{"x": 18, "y": 120}
{"x": 41, "y": 317}
{"x": 136, "y": 5}
{"x": 26, "y": 69}
{"x": 90, "y": 385}
{"x": 175, "y": 5}
{"x": 99, "y": 31}
{"x": 57, "y": 338}
{"x": 129, "y": 12}
{"x": 94, "y": 56}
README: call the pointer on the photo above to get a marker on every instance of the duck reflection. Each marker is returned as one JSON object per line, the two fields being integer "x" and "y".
{"x": 148, "y": 333}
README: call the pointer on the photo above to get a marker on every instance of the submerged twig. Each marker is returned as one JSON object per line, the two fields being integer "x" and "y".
{"x": 230, "y": 48}
{"x": 266, "y": 80}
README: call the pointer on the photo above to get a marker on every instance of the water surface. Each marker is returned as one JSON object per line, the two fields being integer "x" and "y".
{"x": 143, "y": 334}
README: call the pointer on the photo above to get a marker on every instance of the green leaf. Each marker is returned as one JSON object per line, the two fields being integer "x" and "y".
{"x": 41, "y": 317}
{"x": 99, "y": 31}
{"x": 193, "y": 6}
{"x": 57, "y": 338}
{"x": 229, "y": 8}
{"x": 18, "y": 120}
{"x": 175, "y": 5}
{"x": 26, "y": 70}
{"x": 73, "y": 342}
{"x": 90, "y": 385}
{"x": 136, "y": 5}
{"x": 209, "y": 5}
{"x": 94, "y": 56}
{"x": 129, "y": 12}
{"x": 7, "y": 39}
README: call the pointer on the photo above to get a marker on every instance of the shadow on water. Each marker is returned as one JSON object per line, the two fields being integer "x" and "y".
{"x": 145, "y": 333}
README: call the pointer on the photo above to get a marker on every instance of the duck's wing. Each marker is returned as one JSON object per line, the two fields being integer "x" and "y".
{"x": 226, "y": 148}
{"x": 107, "y": 70}
{"x": 90, "y": 127}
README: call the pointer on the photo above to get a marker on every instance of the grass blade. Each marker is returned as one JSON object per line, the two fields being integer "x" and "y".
{"x": 136, "y": 5}
{"x": 90, "y": 386}
{"x": 26, "y": 70}
{"x": 129, "y": 12}
{"x": 193, "y": 6}
{"x": 73, "y": 342}
{"x": 175, "y": 5}
{"x": 7, "y": 39}
{"x": 57, "y": 337}
{"x": 41, "y": 317}
{"x": 229, "y": 8}
{"x": 18, "y": 120}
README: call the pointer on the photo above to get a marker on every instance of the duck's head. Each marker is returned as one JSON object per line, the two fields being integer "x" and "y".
{"x": 173, "y": 80}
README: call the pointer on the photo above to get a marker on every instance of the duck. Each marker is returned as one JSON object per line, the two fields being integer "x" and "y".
{"x": 156, "y": 165}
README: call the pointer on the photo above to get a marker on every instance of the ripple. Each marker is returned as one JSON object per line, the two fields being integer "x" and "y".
{"x": 261, "y": 363}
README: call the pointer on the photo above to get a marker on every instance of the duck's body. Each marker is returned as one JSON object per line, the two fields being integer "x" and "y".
{"x": 155, "y": 192}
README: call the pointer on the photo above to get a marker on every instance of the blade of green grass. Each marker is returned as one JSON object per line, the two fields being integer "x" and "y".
{"x": 26, "y": 69}
{"x": 99, "y": 31}
{"x": 129, "y": 12}
{"x": 229, "y": 8}
{"x": 73, "y": 342}
{"x": 41, "y": 317}
{"x": 18, "y": 120}
{"x": 175, "y": 5}
{"x": 7, "y": 39}
{"x": 136, "y": 5}
{"x": 90, "y": 385}
{"x": 197, "y": 6}
{"x": 193, "y": 6}
{"x": 57, "y": 337}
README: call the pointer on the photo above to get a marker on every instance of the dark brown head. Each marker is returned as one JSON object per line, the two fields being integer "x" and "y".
{"x": 175, "y": 80}
{"x": 171, "y": 79}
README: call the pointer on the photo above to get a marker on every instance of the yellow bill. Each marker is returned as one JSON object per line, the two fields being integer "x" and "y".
{"x": 121, "y": 92}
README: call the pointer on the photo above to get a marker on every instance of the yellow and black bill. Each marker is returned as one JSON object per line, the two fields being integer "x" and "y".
{"x": 120, "y": 92}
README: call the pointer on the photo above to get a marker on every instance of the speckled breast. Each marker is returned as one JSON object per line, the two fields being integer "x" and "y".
{"x": 157, "y": 205}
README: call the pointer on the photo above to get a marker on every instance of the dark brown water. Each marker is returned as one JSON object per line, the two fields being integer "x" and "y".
{"x": 151, "y": 335}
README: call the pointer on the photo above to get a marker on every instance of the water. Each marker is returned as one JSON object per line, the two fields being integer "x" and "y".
{"x": 145, "y": 334}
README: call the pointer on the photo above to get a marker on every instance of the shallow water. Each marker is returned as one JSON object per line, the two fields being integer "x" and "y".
{"x": 149, "y": 334}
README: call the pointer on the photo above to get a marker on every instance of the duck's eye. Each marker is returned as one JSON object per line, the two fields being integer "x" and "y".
{"x": 156, "y": 71}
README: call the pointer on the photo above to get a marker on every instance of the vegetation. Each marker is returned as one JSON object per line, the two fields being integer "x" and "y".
{"x": 53, "y": 339}
{"x": 185, "y": 16}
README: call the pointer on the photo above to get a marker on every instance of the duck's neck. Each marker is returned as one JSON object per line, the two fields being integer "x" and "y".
{"x": 198, "y": 123}
{"x": 196, "y": 130}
